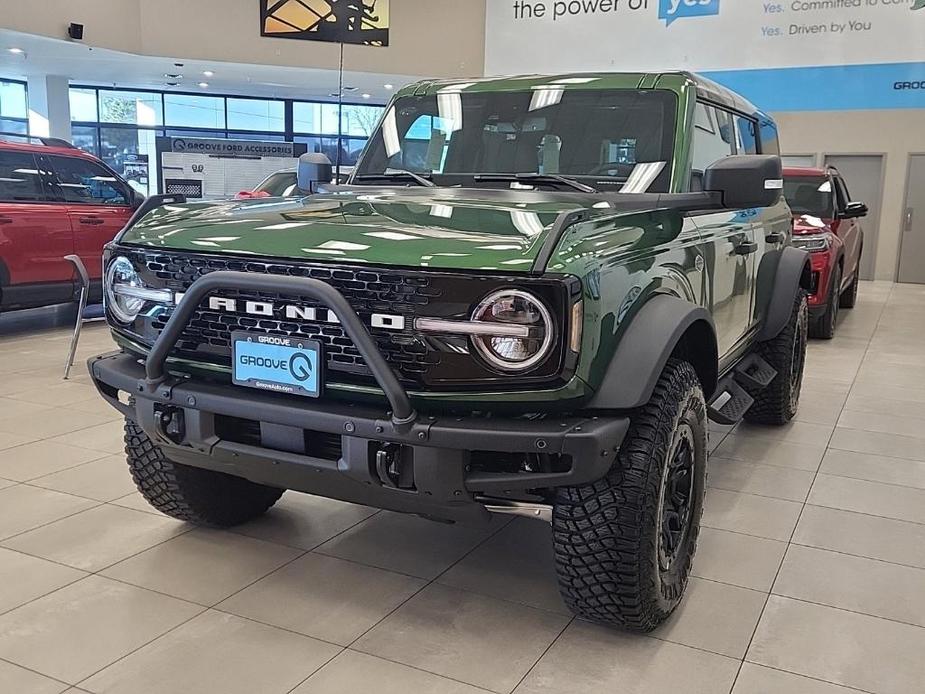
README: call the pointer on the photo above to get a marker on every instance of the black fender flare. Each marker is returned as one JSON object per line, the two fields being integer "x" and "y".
{"x": 793, "y": 273}
{"x": 664, "y": 323}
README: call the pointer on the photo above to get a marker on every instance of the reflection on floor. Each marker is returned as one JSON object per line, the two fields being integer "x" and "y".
{"x": 809, "y": 577}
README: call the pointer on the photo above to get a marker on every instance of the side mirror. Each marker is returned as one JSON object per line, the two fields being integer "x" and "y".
{"x": 746, "y": 180}
{"x": 854, "y": 210}
{"x": 137, "y": 199}
{"x": 314, "y": 169}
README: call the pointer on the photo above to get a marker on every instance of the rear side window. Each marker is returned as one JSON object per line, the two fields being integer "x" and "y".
{"x": 83, "y": 181}
{"x": 20, "y": 180}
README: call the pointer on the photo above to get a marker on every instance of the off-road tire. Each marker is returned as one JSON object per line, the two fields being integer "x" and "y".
{"x": 607, "y": 534}
{"x": 778, "y": 403}
{"x": 203, "y": 497}
{"x": 823, "y": 327}
{"x": 849, "y": 298}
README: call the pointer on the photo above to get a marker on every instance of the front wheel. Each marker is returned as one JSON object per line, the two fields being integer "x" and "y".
{"x": 192, "y": 494}
{"x": 624, "y": 544}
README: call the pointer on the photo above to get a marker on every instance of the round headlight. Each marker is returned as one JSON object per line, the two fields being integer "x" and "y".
{"x": 122, "y": 275}
{"x": 521, "y": 331}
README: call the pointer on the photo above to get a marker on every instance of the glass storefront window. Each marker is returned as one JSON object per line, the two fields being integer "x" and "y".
{"x": 131, "y": 152}
{"x": 84, "y": 137}
{"x": 306, "y": 117}
{"x": 256, "y": 114}
{"x": 83, "y": 105}
{"x": 13, "y": 102}
{"x": 19, "y": 127}
{"x": 361, "y": 120}
{"x": 193, "y": 111}
{"x": 131, "y": 108}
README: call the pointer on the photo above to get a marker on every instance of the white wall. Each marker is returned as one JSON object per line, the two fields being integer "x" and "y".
{"x": 895, "y": 134}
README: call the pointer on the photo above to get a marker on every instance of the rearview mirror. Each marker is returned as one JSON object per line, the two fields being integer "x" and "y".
{"x": 314, "y": 169}
{"x": 854, "y": 210}
{"x": 746, "y": 180}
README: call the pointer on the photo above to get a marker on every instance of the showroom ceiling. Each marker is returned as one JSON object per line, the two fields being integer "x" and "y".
{"x": 45, "y": 56}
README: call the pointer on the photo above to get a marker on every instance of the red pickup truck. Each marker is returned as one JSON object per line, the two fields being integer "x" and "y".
{"x": 55, "y": 200}
{"x": 825, "y": 223}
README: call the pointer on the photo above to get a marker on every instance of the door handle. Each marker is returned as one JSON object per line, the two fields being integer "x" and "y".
{"x": 746, "y": 248}
{"x": 91, "y": 221}
{"x": 774, "y": 237}
{"x": 5, "y": 220}
{"x": 907, "y": 226}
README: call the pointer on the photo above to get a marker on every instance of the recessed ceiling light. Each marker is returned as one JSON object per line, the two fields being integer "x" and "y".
{"x": 171, "y": 84}
{"x": 204, "y": 85}
{"x": 350, "y": 89}
{"x": 367, "y": 96}
{"x": 390, "y": 87}
{"x": 17, "y": 51}
{"x": 208, "y": 73}
{"x": 334, "y": 94}
{"x": 173, "y": 76}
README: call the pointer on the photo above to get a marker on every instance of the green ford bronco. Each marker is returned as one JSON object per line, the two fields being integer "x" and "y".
{"x": 528, "y": 298}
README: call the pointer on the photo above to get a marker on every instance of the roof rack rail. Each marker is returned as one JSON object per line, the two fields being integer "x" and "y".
{"x": 46, "y": 141}
{"x": 55, "y": 142}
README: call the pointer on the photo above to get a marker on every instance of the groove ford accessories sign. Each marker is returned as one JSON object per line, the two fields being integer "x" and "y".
{"x": 230, "y": 148}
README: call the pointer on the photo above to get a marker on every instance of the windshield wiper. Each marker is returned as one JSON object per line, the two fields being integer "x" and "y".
{"x": 537, "y": 178}
{"x": 397, "y": 173}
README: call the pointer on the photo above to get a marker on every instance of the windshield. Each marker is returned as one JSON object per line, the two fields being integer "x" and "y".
{"x": 279, "y": 184}
{"x": 602, "y": 138}
{"x": 811, "y": 195}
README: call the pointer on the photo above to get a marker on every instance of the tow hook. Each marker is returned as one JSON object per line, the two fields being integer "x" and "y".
{"x": 394, "y": 466}
{"x": 172, "y": 424}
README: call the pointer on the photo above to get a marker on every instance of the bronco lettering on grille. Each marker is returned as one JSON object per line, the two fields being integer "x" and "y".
{"x": 267, "y": 309}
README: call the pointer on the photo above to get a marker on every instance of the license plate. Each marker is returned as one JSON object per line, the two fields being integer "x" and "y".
{"x": 277, "y": 363}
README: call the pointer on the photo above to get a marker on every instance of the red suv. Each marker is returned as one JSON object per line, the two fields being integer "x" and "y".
{"x": 55, "y": 200}
{"x": 825, "y": 223}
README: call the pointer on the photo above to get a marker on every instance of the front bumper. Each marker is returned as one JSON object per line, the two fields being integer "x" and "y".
{"x": 436, "y": 453}
{"x": 822, "y": 263}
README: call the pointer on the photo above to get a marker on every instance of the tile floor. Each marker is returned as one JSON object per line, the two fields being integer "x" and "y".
{"x": 810, "y": 576}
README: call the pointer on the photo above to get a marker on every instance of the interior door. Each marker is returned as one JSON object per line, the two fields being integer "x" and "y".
{"x": 863, "y": 175}
{"x": 35, "y": 235}
{"x": 912, "y": 252}
{"x": 99, "y": 205}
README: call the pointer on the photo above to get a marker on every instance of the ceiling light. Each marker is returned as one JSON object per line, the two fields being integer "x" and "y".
{"x": 367, "y": 96}
{"x": 350, "y": 89}
{"x": 17, "y": 51}
{"x": 390, "y": 87}
{"x": 208, "y": 73}
{"x": 173, "y": 76}
{"x": 204, "y": 85}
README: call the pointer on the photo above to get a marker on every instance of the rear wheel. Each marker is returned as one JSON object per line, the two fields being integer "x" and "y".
{"x": 777, "y": 404}
{"x": 624, "y": 544}
{"x": 192, "y": 494}
{"x": 824, "y": 326}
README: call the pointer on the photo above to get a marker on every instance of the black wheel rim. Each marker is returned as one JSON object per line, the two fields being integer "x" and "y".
{"x": 676, "y": 497}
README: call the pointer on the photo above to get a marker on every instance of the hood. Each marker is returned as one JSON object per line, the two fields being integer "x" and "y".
{"x": 808, "y": 224}
{"x": 450, "y": 228}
